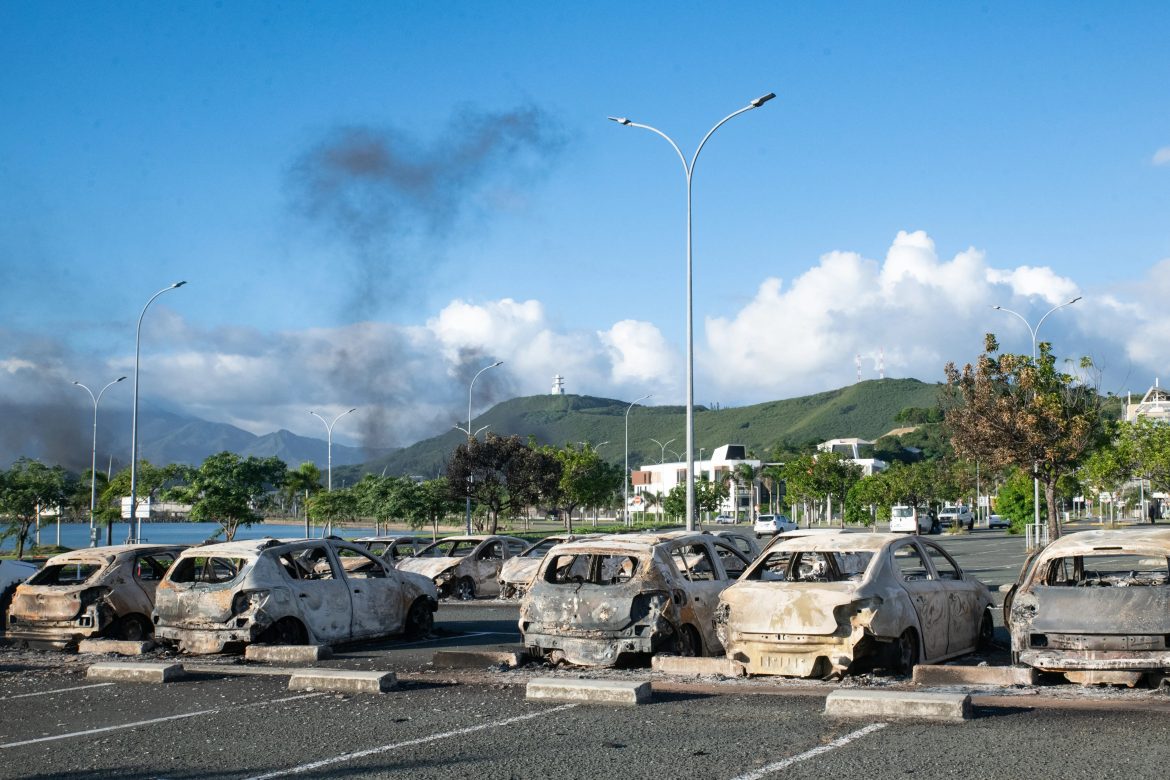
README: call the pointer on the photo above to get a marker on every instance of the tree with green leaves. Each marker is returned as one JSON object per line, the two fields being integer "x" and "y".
{"x": 333, "y": 506}
{"x": 25, "y": 489}
{"x": 226, "y": 488}
{"x": 151, "y": 480}
{"x": 503, "y": 475}
{"x": 586, "y": 479}
{"x": 1013, "y": 410}
{"x": 300, "y": 483}
{"x": 745, "y": 475}
{"x": 433, "y": 503}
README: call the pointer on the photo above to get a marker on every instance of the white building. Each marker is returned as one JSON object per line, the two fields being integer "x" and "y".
{"x": 661, "y": 478}
{"x": 851, "y": 450}
{"x": 1155, "y": 404}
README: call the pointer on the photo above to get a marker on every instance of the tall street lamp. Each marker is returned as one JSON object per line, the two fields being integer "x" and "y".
{"x": 626, "y": 473}
{"x": 470, "y": 435}
{"x": 329, "y": 453}
{"x": 1033, "y": 331}
{"x": 688, "y": 170}
{"x": 662, "y": 457}
{"x": 135, "y": 520}
{"x": 93, "y": 458}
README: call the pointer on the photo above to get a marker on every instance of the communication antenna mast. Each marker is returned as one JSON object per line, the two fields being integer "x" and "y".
{"x": 882, "y": 363}
{"x": 859, "y": 367}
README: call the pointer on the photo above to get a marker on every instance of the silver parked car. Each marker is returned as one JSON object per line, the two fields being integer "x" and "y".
{"x": 823, "y": 604}
{"x": 307, "y": 591}
{"x": 464, "y": 567}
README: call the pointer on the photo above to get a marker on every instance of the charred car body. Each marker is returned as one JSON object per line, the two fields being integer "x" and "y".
{"x": 393, "y": 549}
{"x": 95, "y": 592}
{"x": 464, "y": 567}
{"x": 596, "y": 602}
{"x": 1095, "y": 606}
{"x": 311, "y": 591}
{"x": 517, "y": 572}
{"x": 820, "y": 605}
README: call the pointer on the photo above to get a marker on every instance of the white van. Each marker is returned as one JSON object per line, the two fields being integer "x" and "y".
{"x": 911, "y": 519}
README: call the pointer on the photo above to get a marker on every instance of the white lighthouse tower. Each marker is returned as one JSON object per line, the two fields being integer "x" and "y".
{"x": 558, "y": 387}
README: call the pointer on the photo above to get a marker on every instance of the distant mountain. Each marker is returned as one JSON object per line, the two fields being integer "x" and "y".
{"x": 866, "y": 409}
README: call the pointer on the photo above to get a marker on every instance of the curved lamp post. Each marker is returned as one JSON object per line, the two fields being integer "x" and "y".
{"x": 135, "y": 520}
{"x": 626, "y": 473}
{"x": 662, "y": 457}
{"x": 329, "y": 455}
{"x": 689, "y": 170}
{"x": 1033, "y": 331}
{"x": 93, "y": 457}
{"x": 470, "y": 435}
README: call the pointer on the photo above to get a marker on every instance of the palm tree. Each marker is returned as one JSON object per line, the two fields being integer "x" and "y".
{"x": 745, "y": 474}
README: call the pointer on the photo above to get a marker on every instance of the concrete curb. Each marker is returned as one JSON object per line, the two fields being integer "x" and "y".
{"x": 476, "y": 659}
{"x": 891, "y": 705}
{"x": 287, "y": 654}
{"x": 677, "y": 664}
{"x": 974, "y": 675}
{"x": 341, "y": 681}
{"x": 116, "y": 646}
{"x": 136, "y": 672}
{"x": 591, "y": 691}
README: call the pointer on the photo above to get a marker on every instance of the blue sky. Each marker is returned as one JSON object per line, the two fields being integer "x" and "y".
{"x": 922, "y": 162}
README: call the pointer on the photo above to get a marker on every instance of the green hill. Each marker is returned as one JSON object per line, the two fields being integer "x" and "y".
{"x": 866, "y": 409}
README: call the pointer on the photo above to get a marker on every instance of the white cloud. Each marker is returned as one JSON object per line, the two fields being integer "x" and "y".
{"x": 1162, "y": 156}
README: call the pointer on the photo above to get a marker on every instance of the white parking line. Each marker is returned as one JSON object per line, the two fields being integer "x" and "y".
{"x": 787, "y": 762}
{"x": 57, "y": 690}
{"x": 104, "y": 729}
{"x": 408, "y": 743}
{"x": 460, "y": 636}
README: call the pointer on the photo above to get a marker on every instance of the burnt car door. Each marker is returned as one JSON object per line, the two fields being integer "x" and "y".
{"x": 148, "y": 571}
{"x": 701, "y": 579}
{"x": 487, "y": 562}
{"x": 375, "y": 594}
{"x": 964, "y": 605}
{"x": 322, "y": 594}
{"x": 928, "y": 596}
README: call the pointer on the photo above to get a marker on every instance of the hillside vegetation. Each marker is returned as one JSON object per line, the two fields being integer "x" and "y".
{"x": 866, "y": 409}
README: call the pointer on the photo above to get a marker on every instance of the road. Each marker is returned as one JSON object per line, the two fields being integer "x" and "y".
{"x": 444, "y": 724}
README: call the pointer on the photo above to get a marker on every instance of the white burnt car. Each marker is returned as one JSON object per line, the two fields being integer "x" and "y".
{"x": 308, "y": 591}
{"x": 516, "y": 574}
{"x": 597, "y": 602}
{"x": 1095, "y": 606}
{"x": 94, "y": 592}
{"x": 393, "y": 549}
{"x": 464, "y": 567}
{"x": 824, "y": 604}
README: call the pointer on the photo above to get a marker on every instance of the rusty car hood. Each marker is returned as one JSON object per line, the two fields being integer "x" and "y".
{"x": 788, "y": 607}
{"x": 429, "y": 567}
{"x": 520, "y": 570}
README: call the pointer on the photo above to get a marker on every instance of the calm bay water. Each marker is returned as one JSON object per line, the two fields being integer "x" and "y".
{"x": 76, "y": 535}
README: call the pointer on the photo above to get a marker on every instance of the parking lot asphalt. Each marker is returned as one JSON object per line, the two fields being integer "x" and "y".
{"x": 443, "y": 723}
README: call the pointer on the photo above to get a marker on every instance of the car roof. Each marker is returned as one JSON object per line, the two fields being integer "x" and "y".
{"x": 632, "y": 543}
{"x": 103, "y": 553}
{"x": 837, "y": 542}
{"x": 1118, "y": 541}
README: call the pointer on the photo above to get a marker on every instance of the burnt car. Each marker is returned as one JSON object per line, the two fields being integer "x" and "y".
{"x": 464, "y": 567}
{"x": 819, "y": 605}
{"x": 517, "y": 572}
{"x": 600, "y": 602}
{"x": 393, "y": 549}
{"x": 305, "y": 591}
{"x": 1095, "y": 606}
{"x": 105, "y": 592}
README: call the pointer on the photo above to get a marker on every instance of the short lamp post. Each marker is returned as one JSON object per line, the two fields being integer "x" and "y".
{"x": 470, "y": 436}
{"x": 688, "y": 171}
{"x": 93, "y": 534}
{"x": 626, "y": 473}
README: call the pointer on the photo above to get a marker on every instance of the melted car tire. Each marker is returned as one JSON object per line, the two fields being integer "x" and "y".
{"x": 465, "y": 589}
{"x": 687, "y": 642}
{"x": 286, "y": 631}
{"x": 986, "y": 631}
{"x": 904, "y": 653}
{"x": 133, "y": 628}
{"x": 420, "y": 620}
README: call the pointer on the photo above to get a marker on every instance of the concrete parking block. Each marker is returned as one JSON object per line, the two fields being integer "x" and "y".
{"x": 341, "y": 681}
{"x": 136, "y": 672}
{"x": 115, "y": 646}
{"x": 898, "y": 705}
{"x": 925, "y": 674}
{"x": 677, "y": 664}
{"x": 591, "y": 691}
{"x": 287, "y": 654}
{"x": 476, "y": 659}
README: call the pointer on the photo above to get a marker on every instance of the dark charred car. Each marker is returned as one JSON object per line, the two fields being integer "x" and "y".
{"x": 517, "y": 572}
{"x": 814, "y": 605}
{"x": 105, "y": 592}
{"x": 598, "y": 602}
{"x": 1095, "y": 606}
{"x": 309, "y": 591}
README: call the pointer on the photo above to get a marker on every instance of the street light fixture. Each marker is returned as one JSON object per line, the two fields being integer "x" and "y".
{"x": 688, "y": 170}
{"x": 93, "y": 458}
{"x": 626, "y": 473}
{"x": 1033, "y": 331}
{"x": 662, "y": 457}
{"x": 135, "y": 520}
{"x": 471, "y": 435}
{"x": 329, "y": 453}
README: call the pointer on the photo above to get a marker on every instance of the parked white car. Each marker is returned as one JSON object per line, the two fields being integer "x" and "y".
{"x": 770, "y": 525}
{"x": 912, "y": 520}
{"x": 957, "y": 516}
